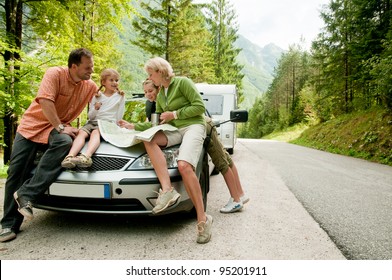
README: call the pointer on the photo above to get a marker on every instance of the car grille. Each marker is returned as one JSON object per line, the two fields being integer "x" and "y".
{"x": 101, "y": 163}
{"x": 88, "y": 204}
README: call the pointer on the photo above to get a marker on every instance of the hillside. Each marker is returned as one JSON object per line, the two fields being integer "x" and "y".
{"x": 366, "y": 135}
{"x": 259, "y": 64}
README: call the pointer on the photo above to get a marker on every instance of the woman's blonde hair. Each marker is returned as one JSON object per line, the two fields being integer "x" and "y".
{"x": 104, "y": 75}
{"x": 161, "y": 65}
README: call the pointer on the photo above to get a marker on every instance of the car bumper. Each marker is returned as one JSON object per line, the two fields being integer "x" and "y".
{"x": 121, "y": 192}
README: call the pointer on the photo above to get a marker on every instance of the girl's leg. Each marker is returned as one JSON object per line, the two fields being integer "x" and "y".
{"x": 93, "y": 143}
{"x": 78, "y": 143}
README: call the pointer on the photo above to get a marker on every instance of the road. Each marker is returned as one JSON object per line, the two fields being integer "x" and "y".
{"x": 351, "y": 199}
{"x": 283, "y": 181}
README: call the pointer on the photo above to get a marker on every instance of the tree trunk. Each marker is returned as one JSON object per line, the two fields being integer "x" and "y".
{"x": 13, "y": 13}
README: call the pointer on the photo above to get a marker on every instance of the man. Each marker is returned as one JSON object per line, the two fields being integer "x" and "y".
{"x": 63, "y": 94}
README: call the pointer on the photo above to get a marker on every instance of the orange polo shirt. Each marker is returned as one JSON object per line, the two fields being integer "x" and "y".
{"x": 70, "y": 99}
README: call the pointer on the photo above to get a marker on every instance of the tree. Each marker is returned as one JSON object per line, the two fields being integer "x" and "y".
{"x": 352, "y": 40}
{"x": 221, "y": 19}
{"x": 176, "y": 31}
{"x": 40, "y": 33}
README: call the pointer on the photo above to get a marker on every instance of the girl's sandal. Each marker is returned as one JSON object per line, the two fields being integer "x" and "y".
{"x": 83, "y": 161}
{"x": 68, "y": 163}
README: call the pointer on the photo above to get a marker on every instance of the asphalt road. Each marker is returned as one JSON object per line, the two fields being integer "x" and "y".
{"x": 351, "y": 199}
{"x": 273, "y": 226}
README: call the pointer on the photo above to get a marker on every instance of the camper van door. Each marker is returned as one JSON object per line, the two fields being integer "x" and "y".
{"x": 219, "y": 101}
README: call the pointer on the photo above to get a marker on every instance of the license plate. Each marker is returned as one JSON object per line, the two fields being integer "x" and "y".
{"x": 81, "y": 190}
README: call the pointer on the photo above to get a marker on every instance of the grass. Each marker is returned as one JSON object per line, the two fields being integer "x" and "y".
{"x": 289, "y": 134}
{"x": 3, "y": 173}
{"x": 366, "y": 135}
{"x": 3, "y": 168}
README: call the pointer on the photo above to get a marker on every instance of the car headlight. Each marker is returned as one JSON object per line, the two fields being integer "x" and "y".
{"x": 144, "y": 162}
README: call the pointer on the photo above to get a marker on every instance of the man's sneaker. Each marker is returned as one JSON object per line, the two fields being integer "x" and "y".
{"x": 244, "y": 199}
{"x": 232, "y": 206}
{"x": 165, "y": 200}
{"x": 7, "y": 235}
{"x": 25, "y": 207}
{"x": 204, "y": 230}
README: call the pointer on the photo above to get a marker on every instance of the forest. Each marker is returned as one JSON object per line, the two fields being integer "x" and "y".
{"x": 34, "y": 35}
{"x": 347, "y": 70}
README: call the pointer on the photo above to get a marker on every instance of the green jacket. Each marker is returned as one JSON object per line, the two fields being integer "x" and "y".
{"x": 182, "y": 97}
{"x": 142, "y": 126}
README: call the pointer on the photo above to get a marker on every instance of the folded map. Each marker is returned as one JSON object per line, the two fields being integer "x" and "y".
{"x": 122, "y": 137}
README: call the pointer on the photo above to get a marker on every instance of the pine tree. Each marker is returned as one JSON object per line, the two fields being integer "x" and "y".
{"x": 222, "y": 23}
{"x": 176, "y": 31}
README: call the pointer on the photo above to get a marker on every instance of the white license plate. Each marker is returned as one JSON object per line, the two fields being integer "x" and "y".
{"x": 81, "y": 190}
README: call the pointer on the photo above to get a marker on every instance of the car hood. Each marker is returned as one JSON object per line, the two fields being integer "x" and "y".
{"x": 108, "y": 149}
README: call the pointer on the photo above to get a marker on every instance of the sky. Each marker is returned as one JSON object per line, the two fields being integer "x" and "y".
{"x": 282, "y": 22}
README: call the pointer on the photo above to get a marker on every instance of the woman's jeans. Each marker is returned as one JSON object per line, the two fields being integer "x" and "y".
{"x": 20, "y": 177}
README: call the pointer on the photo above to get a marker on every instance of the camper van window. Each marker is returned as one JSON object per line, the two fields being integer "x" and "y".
{"x": 214, "y": 104}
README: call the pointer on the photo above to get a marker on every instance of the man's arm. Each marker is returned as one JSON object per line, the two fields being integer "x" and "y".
{"x": 50, "y": 112}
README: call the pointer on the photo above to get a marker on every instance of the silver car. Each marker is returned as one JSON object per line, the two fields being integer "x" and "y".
{"x": 120, "y": 181}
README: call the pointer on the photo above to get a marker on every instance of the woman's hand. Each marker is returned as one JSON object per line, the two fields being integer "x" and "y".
{"x": 125, "y": 124}
{"x": 166, "y": 117}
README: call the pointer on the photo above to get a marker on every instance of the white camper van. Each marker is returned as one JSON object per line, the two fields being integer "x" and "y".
{"x": 220, "y": 100}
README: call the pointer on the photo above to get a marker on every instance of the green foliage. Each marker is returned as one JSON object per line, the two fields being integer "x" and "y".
{"x": 221, "y": 19}
{"x": 365, "y": 134}
{"x": 347, "y": 55}
{"x": 287, "y": 101}
{"x": 135, "y": 111}
{"x": 200, "y": 47}
{"x": 347, "y": 70}
{"x": 72, "y": 24}
{"x": 190, "y": 52}
{"x": 381, "y": 73}
{"x": 176, "y": 30}
{"x": 3, "y": 172}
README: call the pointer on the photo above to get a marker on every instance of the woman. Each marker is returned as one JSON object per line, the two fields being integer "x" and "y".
{"x": 179, "y": 104}
{"x": 219, "y": 156}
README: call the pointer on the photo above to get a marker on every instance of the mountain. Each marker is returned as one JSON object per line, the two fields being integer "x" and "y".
{"x": 259, "y": 64}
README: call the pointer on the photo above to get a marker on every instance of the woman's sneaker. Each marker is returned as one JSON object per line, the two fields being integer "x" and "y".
{"x": 165, "y": 200}
{"x": 232, "y": 206}
{"x": 204, "y": 230}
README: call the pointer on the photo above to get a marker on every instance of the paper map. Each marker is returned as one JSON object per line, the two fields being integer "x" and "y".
{"x": 122, "y": 137}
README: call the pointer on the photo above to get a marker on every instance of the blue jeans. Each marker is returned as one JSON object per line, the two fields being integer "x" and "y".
{"x": 19, "y": 172}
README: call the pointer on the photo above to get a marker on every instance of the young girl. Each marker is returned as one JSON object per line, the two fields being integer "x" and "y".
{"x": 108, "y": 105}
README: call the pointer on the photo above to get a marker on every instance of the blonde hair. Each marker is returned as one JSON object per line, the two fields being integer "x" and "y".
{"x": 106, "y": 73}
{"x": 161, "y": 65}
{"x": 150, "y": 82}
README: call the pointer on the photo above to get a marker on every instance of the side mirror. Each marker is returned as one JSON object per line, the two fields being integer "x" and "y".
{"x": 239, "y": 116}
